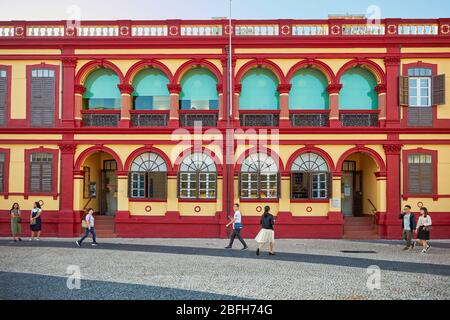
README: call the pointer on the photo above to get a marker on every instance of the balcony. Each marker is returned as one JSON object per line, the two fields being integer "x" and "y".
{"x": 309, "y": 118}
{"x": 100, "y": 118}
{"x": 359, "y": 118}
{"x": 259, "y": 118}
{"x": 149, "y": 118}
{"x": 218, "y": 28}
{"x": 193, "y": 118}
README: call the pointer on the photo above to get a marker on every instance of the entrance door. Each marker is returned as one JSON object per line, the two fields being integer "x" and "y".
{"x": 351, "y": 188}
{"x": 109, "y": 188}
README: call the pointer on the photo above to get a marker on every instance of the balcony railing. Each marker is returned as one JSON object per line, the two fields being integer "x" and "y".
{"x": 151, "y": 118}
{"x": 100, "y": 118}
{"x": 191, "y": 118}
{"x": 250, "y": 118}
{"x": 309, "y": 118}
{"x": 356, "y": 118}
{"x": 219, "y": 28}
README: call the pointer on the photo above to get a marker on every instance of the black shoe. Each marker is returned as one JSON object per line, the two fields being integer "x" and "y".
{"x": 20, "y": 239}
{"x": 78, "y": 243}
{"x": 228, "y": 247}
{"x": 15, "y": 240}
{"x": 244, "y": 248}
{"x": 271, "y": 253}
{"x": 257, "y": 252}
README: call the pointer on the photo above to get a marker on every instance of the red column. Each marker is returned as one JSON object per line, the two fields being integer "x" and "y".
{"x": 79, "y": 90}
{"x": 392, "y": 64}
{"x": 236, "y": 98}
{"x": 68, "y": 98}
{"x": 393, "y": 191}
{"x": 333, "y": 91}
{"x": 126, "y": 90}
{"x": 381, "y": 90}
{"x": 174, "y": 90}
{"x": 283, "y": 90}
{"x": 66, "y": 219}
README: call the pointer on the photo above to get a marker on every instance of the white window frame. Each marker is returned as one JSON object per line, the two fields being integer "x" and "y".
{"x": 418, "y": 91}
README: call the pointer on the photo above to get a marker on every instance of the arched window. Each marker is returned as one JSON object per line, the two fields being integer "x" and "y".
{"x": 358, "y": 90}
{"x": 309, "y": 90}
{"x": 259, "y": 90}
{"x": 199, "y": 90}
{"x": 259, "y": 177}
{"x": 148, "y": 177}
{"x": 310, "y": 177}
{"x": 150, "y": 90}
{"x": 102, "y": 92}
{"x": 197, "y": 177}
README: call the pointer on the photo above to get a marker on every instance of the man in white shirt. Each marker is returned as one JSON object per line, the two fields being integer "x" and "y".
{"x": 237, "y": 226}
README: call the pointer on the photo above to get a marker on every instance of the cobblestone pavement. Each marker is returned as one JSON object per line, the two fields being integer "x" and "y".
{"x": 203, "y": 269}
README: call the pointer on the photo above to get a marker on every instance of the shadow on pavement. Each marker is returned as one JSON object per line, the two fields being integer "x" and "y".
{"x": 413, "y": 267}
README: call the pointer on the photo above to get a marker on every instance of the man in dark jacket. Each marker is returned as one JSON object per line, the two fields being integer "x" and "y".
{"x": 408, "y": 226}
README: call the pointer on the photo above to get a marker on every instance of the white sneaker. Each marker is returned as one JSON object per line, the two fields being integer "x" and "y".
{"x": 424, "y": 251}
{"x": 37, "y": 239}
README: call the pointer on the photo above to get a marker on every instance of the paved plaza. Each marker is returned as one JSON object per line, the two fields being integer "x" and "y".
{"x": 202, "y": 269}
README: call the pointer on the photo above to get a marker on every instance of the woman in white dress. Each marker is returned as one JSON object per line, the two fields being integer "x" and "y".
{"x": 423, "y": 229}
{"x": 266, "y": 235}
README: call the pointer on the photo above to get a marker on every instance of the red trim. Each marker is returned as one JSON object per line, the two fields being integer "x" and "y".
{"x": 373, "y": 67}
{"x": 7, "y": 153}
{"x": 434, "y": 161}
{"x": 92, "y": 65}
{"x": 310, "y": 200}
{"x": 148, "y": 148}
{"x": 194, "y": 149}
{"x": 28, "y": 153}
{"x": 259, "y": 149}
{"x": 419, "y": 64}
{"x": 313, "y": 149}
{"x": 53, "y": 67}
{"x": 247, "y": 111}
{"x": 258, "y": 63}
{"x": 197, "y": 200}
{"x": 312, "y": 63}
{"x": 197, "y": 63}
{"x": 147, "y": 63}
{"x": 259, "y": 200}
{"x": 114, "y": 111}
{"x": 372, "y": 153}
{"x": 359, "y": 111}
{"x": 86, "y": 153}
{"x": 198, "y": 111}
{"x": 146, "y": 200}
{"x": 8, "y": 92}
{"x": 149, "y": 111}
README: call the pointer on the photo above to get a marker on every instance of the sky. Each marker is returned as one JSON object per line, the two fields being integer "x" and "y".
{"x": 206, "y": 9}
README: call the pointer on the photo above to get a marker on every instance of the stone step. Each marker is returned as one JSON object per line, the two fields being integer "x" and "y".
{"x": 368, "y": 227}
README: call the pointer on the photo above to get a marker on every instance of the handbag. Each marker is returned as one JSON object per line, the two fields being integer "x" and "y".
{"x": 33, "y": 221}
{"x": 84, "y": 224}
{"x": 238, "y": 226}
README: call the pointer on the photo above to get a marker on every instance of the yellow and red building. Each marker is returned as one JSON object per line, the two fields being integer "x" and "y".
{"x": 350, "y": 119}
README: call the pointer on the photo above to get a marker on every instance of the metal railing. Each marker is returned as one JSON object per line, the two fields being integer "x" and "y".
{"x": 355, "y": 119}
{"x": 309, "y": 119}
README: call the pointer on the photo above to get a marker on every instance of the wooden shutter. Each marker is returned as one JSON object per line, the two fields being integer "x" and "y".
{"x": 420, "y": 116}
{"x": 438, "y": 90}
{"x": 329, "y": 185}
{"x": 157, "y": 185}
{"x": 3, "y": 92}
{"x": 403, "y": 88}
{"x": 420, "y": 178}
{"x": 2, "y": 177}
{"x": 35, "y": 176}
{"x": 47, "y": 177}
{"x": 42, "y": 102}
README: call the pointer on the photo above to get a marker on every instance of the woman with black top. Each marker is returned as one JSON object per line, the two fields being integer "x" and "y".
{"x": 266, "y": 235}
{"x": 36, "y": 221}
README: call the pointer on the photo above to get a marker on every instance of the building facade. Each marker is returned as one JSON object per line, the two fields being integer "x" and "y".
{"x": 328, "y": 120}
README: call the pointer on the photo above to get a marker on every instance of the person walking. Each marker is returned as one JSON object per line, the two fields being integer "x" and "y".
{"x": 408, "y": 226}
{"x": 423, "y": 229}
{"x": 266, "y": 234}
{"x": 237, "y": 227}
{"x": 36, "y": 221}
{"x": 16, "y": 228}
{"x": 90, "y": 228}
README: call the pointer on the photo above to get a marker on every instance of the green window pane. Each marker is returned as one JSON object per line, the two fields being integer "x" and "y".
{"x": 309, "y": 90}
{"x": 358, "y": 90}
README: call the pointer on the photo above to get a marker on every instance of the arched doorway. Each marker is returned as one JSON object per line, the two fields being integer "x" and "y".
{"x": 360, "y": 196}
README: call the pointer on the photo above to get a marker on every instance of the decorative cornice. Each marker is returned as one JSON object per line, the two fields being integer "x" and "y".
{"x": 125, "y": 88}
{"x": 284, "y": 88}
{"x": 381, "y": 88}
{"x": 392, "y": 61}
{"x": 392, "y": 148}
{"x": 69, "y": 62}
{"x": 67, "y": 148}
{"x": 174, "y": 88}
{"x": 80, "y": 89}
{"x": 334, "y": 88}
